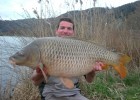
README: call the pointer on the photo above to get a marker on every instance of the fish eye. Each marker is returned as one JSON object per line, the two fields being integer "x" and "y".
{"x": 20, "y": 53}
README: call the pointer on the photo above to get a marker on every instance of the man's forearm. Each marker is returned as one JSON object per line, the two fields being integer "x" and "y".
{"x": 90, "y": 76}
{"x": 38, "y": 82}
{"x": 37, "y": 78}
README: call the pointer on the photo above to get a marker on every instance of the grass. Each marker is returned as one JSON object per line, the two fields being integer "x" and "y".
{"x": 26, "y": 91}
{"x": 106, "y": 85}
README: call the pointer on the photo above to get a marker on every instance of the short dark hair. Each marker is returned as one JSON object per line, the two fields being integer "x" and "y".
{"x": 67, "y": 20}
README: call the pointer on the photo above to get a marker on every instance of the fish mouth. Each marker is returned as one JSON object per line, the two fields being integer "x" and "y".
{"x": 12, "y": 62}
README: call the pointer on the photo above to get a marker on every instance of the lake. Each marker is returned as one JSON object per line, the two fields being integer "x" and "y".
{"x": 8, "y": 46}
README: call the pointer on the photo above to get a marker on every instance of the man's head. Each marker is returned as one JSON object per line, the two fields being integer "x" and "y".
{"x": 65, "y": 27}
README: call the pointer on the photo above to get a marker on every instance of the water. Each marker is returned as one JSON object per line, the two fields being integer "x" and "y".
{"x": 8, "y": 46}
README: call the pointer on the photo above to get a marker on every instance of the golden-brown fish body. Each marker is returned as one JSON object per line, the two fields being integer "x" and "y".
{"x": 67, "y": 57}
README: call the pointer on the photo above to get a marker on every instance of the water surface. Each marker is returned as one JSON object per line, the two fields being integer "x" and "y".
{"x": 8, "y": 46}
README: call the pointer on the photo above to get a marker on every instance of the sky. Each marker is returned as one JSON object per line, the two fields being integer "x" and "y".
{"x": 21, "y": 9}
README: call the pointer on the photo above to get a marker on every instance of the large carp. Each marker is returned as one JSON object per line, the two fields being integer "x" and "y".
{"x": 65, "y": 57}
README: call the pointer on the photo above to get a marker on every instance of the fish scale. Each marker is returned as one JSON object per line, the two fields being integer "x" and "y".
{"x": 68, "y": 57}
{"x": 72, "y": 56}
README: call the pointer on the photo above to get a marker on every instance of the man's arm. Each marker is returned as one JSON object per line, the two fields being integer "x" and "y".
{"x": 37, "y": 76}
{"x": 90, "y": 76}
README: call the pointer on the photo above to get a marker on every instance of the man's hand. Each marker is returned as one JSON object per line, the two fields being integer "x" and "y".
{"x": 37, "y": 76}
{"x": 97, "y": 67}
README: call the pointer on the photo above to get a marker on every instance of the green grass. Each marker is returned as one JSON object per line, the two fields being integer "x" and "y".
{"x": 109, "y": 87}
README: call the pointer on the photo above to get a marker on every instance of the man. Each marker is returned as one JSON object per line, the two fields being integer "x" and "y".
{"x": 54, "y": 89}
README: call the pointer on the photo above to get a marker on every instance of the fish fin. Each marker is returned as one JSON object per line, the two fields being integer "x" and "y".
{"x": 124, "y": 59}
{"x": 121, "y": 69}
{"x": 105, "y": 66}
{"x": 67, "y": 82}
{"x": 43, "y": 72}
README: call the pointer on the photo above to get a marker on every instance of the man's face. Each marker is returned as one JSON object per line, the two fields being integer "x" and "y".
{"x": 65, "y": 29}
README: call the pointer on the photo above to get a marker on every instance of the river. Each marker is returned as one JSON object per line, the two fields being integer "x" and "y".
{"x": 8, "y": 46}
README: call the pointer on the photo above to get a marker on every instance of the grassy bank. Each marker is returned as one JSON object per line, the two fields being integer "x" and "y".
{"x": 109, "y": 87}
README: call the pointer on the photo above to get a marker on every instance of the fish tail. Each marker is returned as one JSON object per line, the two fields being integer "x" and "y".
{"x": 124, "y": 59}
{"x": 121, "y": 68}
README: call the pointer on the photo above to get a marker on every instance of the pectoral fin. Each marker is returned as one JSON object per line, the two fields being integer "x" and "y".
{"x": 67, "y": 82}
{"x": 44, "y": 71}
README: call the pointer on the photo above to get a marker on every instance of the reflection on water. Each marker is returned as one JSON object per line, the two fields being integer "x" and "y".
{"x": 8, "y": 46}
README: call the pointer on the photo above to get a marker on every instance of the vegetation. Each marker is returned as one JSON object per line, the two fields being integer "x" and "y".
{"x": 109, "y": 87}
{"x": 117, "y": 34}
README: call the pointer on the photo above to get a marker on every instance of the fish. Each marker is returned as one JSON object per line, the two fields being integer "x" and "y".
{"x": 68, "y": 57}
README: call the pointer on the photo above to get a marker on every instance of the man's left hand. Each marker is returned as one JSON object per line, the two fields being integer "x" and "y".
{"x": 97, "y": 67}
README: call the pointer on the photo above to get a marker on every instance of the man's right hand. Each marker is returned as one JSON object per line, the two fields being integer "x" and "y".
{"x": 37, "y": 76}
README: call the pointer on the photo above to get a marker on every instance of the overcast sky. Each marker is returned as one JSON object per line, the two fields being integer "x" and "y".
{"x": 18, "y": 9}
